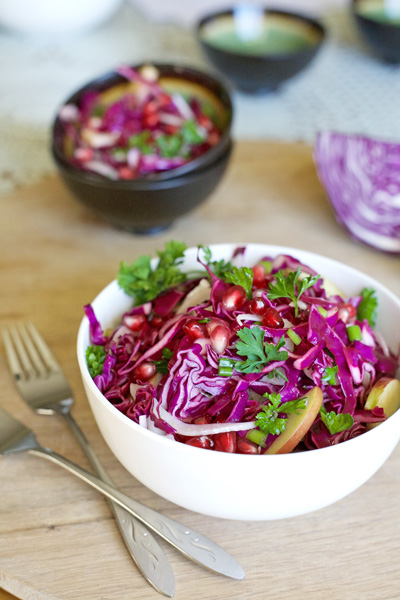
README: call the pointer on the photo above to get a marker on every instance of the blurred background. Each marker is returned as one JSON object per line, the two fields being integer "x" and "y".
{"x": 47, "y": 50}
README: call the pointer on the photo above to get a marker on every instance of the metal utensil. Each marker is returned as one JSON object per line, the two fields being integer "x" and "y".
{"x": 44, "y": 388}
{"x": 15, "y": 438}
{"x": 194, "y": 545}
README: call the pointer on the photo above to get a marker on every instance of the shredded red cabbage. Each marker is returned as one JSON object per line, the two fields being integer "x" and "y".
{"x": 165, "y": 374}
{"x": 143, "y": 130}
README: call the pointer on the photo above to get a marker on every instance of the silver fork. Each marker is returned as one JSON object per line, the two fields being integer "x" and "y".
{"x": 44, "y": 388}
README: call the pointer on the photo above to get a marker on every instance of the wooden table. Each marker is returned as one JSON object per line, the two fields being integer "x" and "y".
{"x": 58, "y": 540}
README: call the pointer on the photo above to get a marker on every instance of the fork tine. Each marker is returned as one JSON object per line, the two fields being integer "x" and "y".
{"x": 18, "y": 359}
{"x": 31, "y": 350}
{"x": 12, "y": 357}
{"x": 45, "y": 352}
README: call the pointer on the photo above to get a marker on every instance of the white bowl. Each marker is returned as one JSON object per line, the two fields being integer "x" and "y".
{"x": 237, "y": 486}
{"x": 55, "y": 17}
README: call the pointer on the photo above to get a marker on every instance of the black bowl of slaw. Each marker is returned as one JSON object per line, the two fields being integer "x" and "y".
{"x": 151, "y": 203}
{"x": 179, "y": 83}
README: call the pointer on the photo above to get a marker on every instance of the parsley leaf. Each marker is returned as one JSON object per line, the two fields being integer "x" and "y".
{"x": 95, "y": 357}
{"x": 141, "y": 140}
{"x": 285, "y": 286}
{"x": 268, "y": 421}
{"x": 367, "y": 309}
{"x": 330, "y": 375}
{"x": 336, "y": 422}
{"x": 243, "y": 276}
{"x": 191, "y": 133}
{"x": 162, "y": 365}
{"x": 139, "y": 279}
{"x": 258, "y": 354}
{"x": 218, "y": 267}
{"x": 169, "y": 145}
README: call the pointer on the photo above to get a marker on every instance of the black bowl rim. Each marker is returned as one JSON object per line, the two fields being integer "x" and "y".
{"x": 315, "y": 23}
{"x": 378, "y": 24}
{"x": 141, "y": 184}
{"x": 212, "y": 82}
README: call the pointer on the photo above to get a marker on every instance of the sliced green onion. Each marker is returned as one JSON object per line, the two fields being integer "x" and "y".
{"x": 322, "y": 311}
{"x": 225, "y": 367}
{"x": 256, "y": 436}
{"x": 296, "y": 339}
{"x": 204, "y": 321}
{"x": 354, "y": 333}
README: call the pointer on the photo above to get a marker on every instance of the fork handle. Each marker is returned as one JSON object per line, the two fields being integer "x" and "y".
{"x": 142, "y": 546}
{"x": 192, "y": 544}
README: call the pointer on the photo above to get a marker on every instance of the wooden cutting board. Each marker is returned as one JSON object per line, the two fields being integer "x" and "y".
{"x": 58, "y": 540}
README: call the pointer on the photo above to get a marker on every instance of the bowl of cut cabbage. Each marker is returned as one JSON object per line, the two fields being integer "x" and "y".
{"x": 215, "y": 371}
{"x": 145, "y": 144}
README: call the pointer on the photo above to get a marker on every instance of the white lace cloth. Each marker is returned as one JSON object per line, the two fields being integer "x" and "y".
{"x": 344, "y": 89}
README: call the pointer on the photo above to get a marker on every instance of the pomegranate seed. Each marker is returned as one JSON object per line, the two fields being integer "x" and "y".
{"x": 171, "y": 129}
{"x": 145, "y": 371}
{"x": 211, "y": 325}
{"x": 234, "y": 297}
{"x": 204, "y": 121}
{"x": 272, "y": 318}
{"x": 220, "y": 338}
{"x": 347, "y": 312}
{"x": 164, "y": 99}
{"x": 126, "y": 173}
{"x": 259, "y": 278}
{"x": 150, "y": 120}
{"x": 245, "y": 446}
{"x": 149, "y": 108}
{"x": 84, "y": 154}
{"x": 135, "y": 322}
{"x": 156, "y": 321}
{"x": 226, "y": 441}
{"x": 194, "y": 329}
{"x": 258, "y": 306}
{"x": 202, "y": 441}
{"x": 213, "y": 138}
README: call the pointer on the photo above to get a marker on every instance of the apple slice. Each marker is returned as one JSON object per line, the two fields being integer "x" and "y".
{"x": 198, "y": 295}
{"x": 298, "y": 424}
{"x": 386, "y": 394}
{"x": 331, "y": 289}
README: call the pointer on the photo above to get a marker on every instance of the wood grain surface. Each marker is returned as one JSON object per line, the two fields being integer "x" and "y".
{"x": 58, "y": 540}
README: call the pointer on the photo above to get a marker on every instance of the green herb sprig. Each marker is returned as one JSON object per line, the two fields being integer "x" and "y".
{"x": 268, "y": 419}
{"x": 243, "y": 276}
{"x": 336, "y": 422}
{"x": 290, "y": 286}
{"x": 329, "y": 376}
{"x": 139, "y": 279}
{"x": 258, "y": 354}
{"x": 218, "y": 267}
{"x": 367, "y": 309}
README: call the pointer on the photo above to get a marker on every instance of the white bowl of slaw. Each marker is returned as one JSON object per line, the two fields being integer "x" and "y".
{"x": 237, "y": 486}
